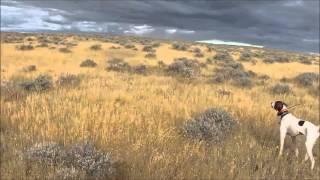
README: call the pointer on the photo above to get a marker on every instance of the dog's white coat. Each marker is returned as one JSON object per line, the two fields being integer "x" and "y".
{"x": 289, "y": 125}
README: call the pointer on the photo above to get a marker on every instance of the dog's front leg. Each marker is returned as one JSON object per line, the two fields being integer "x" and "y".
{"x": 283, "y": 133}
{"x": 294, "y": 142}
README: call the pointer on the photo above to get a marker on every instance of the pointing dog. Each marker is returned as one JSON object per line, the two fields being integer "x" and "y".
{"x": 293, "y": 126}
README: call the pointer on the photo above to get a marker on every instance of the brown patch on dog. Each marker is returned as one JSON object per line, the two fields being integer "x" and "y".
{"x": 301, "y": 123}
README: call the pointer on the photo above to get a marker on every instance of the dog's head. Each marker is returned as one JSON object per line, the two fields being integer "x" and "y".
{"x": 279, "y": 105}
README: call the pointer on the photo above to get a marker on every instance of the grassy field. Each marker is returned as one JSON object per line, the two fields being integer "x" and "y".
{"x": 137, "y": 117}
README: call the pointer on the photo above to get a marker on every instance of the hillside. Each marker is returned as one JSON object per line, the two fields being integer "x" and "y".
{"x": 131, "y": 97}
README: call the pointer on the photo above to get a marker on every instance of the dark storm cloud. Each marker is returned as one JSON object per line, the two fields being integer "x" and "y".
{"x": 287, "y": 24}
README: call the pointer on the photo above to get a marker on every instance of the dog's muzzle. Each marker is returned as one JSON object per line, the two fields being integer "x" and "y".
{"x": 272, "y": 105}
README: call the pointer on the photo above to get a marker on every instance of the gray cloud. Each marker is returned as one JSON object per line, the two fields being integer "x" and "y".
{"x": 286, "y": 24}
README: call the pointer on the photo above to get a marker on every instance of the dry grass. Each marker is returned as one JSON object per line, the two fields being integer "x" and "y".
{"x": 136, "y": 117}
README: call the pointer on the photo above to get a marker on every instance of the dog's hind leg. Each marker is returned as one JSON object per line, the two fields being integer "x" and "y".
{"x": 309, "y": 145}
{"x": 306, "y": 157}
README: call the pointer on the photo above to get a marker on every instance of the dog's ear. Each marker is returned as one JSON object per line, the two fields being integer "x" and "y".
{"x": 278, "y": 105}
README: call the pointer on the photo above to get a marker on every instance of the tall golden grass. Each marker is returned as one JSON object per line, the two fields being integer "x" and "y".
{"x": 136, "y": 118}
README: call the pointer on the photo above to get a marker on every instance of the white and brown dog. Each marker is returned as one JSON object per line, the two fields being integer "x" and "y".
{"x": 292, "y": 126}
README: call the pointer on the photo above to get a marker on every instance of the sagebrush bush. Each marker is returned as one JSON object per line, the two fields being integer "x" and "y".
{"x": 210, "y": 61}
{"x": 30, "y": 39}
{"x": 88, "y": 63}
{"x": 307, "y": 79}
{"x": 212, "y": 125}
{"x": 129, "y": 46}
{"x": 314, "y": 90}
{"x": 223, "y": 56}
{"x": 196, "y": 50}
{"x": 68, "y": 80}
{"x": 43, "y": 45}
{"x": 184, "y": 67}
{"x": 245, "y": 56}
{"x": 148, "y": 48}
{"x": 264, "y": 77}
{"x": 161, "y": 64}
{"x": 180, "y": 46}
{"x": 29, "y": 68}
{"x": 40, "y": 83}
{"x": 276, "y": 58}
{"x": 251, "y": 73}
{"x": 223, "y": 92}
{"x": 24, "y": 47}
{"x": 79, "y": 159}
{"x": 268, "y": 61}
{"x": 11, "y": 91}
{"x": 66, "y": 173}
{"x": 65, "y": 50}
{"x": 199, "y": 55}
{"x": 281, "y": 59}
{"x": 156, "y": 44}
{"x": 114, "y": 47}
{"x": 218, "y": 78}
{"x": 304, "y": 60}
{"x": 140, "y": 69}
{"x": 231, "y": 71}
{"x": 151, "y": 55}
{"x": 96, "y": 164}
{"x": 119, "y": 65}
{"x": 243, "y": 82}
{"x": 46, "y": 152}
{"x": 96, "y": 47}
{"x": 280, "y": 89}
{"x": 284, "y": 80}
{"x": 233, "y": 65}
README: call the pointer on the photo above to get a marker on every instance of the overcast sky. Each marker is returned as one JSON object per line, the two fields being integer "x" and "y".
{"x": 284, "y": 24}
